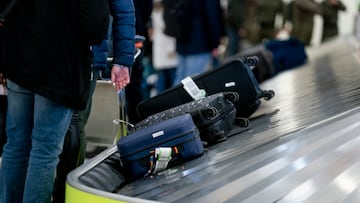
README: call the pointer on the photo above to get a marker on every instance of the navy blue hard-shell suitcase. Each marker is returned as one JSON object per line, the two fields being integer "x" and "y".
{"x": 287, "y": 54}
{"x": 214, "y": 116}
{"x": 233, "y": 76}
{"x": 142, "y": 151}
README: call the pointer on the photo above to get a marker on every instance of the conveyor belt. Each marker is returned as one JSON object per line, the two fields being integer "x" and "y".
{"x": 302, "y": 145}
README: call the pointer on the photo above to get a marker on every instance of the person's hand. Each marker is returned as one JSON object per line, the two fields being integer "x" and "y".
{"x": 120, "y": 76}
{"x": 215, "y": 52}
{"x": 242, "y": 33}
{"x": 334, "y": 2}
{"x": 2, "y": 79}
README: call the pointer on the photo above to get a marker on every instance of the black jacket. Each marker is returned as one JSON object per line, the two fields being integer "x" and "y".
{"x": 206, "y": 28}
{"x": 143, "y": 11}
{"x": 44, "y": 51}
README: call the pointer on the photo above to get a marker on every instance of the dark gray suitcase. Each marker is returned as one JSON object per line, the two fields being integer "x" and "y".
{"x": 214, "y": 116}
{"x": 264, "y": 68}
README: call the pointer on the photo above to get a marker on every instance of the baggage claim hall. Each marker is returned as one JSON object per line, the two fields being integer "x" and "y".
{"x": 302, "y": 145}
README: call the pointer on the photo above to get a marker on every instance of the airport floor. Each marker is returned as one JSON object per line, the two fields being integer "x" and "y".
{"x": 301, "y": 146}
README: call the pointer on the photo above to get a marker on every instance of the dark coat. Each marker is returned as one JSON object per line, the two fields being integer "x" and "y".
{"x": 330, "y": 18}
{"x": 45, "y": 52}
{"x": 206, "y": 28}
{"x": 236, "y": 14}
{"x": 143, "y": 9}
{"x": 123, "y": 30}
{"x": 303, "y": 19}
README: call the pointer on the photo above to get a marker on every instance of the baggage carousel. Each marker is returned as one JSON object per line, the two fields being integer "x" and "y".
{"x": 301, "y": 146}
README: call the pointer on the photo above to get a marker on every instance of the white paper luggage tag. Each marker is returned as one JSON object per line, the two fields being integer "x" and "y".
{"x": 192, "y": 89}
{"x": 162, "y": 157}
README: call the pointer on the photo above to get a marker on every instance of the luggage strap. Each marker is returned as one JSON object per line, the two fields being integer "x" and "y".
{"x": 160, "y": 158}
{"x": 192, "y": 89}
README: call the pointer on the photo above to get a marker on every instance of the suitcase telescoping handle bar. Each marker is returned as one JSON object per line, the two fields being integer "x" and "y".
{"x": 122, "y": 121}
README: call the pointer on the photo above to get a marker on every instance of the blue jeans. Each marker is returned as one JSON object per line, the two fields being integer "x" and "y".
{"x": 36, "y": 128}
{"x": 233, "y": 42}
{"x": 191, "y": 65}
{"x": 166, "y": 79}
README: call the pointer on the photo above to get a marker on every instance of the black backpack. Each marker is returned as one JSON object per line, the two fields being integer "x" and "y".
{"x": 178, "y": 18}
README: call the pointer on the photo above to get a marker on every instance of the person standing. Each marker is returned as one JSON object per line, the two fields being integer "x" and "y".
{"x": 267, "y": 12}
{"x": 47, "y": 66}
{"x": 122, "y": 33}
{"x": 122, "y": 18}
{"x": 164, "y": 50}
{"x": 133, "y": 91}
{"x": 357, "y": 23}
{"x": 303, "y": 19}
{"x": 196, "y": 50}
{"x": 330, "y": 10}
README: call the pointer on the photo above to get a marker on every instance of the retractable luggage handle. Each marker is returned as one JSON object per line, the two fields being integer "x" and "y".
{"x": 122, "y": 121}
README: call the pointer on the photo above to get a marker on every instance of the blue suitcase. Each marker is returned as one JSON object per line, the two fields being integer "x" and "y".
{"x": 146, "y": 151}
{"x": 287, "y": 54}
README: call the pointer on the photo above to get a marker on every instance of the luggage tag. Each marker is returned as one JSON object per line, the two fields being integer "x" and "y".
{"x": 192, "y": 89}
{"x": 162, "y": 157}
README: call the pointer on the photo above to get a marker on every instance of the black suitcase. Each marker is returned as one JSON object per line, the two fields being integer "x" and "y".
{"x": 234, "y": 76}
{"x": 159, "y": 146}
{"x": 214, "y": 116}
{"x": 264, "y": 68}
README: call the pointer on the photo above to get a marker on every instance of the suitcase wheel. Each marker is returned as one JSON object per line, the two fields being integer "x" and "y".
{"x": 221, "y": 139}
{"x": 251, "y": 60}
{"x": 242, "y": 122}
{"x": 232, "y": 96}
{"x": 217, "y": 137}
{"x": 210, "y": 112}
{"x": 268, "y": 94}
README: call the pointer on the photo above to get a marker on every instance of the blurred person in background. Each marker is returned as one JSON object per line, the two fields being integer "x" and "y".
{"x": 133, "y": 91}
{"x": 164, "y": 50}
{"x": 330, "y": 10}
{"x": 303, "y": 19}
{"x": 268, "y": 10}
{"x": 196, "y": 51}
